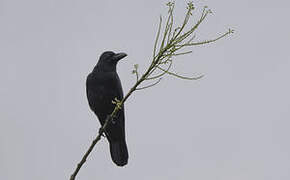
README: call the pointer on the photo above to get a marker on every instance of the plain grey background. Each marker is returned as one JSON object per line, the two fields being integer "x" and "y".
{"x": 232, "y": 124}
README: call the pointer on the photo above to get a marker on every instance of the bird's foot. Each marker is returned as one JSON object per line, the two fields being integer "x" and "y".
{"x": 117, "y": 102}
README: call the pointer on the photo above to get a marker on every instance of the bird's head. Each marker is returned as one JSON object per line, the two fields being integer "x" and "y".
{"x": 109, "y": 60}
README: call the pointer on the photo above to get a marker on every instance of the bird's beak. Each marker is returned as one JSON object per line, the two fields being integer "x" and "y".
{"x": 119, "y": 56}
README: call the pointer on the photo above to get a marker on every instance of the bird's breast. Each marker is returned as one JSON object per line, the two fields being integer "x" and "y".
{"x": 102, "y": 88}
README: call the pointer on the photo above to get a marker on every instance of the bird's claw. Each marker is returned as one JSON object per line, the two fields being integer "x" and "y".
{"x": 117, "y": 102}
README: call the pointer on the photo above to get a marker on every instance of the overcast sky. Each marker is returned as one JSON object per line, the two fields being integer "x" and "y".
{"x": 232, "y": 124}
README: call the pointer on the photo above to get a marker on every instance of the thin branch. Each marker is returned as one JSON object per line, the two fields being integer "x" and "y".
{"x": 165, "y": 32}
{"x": 183, "y": 25}
{"x": 160, "y": 75}
{"x": 179, "y": 76}
{"x": 157, "y": 37}
{"x": 178, "y": 54}
{"x": 171, "y": 21}
{"x": 98, "y": 138}
{"x": 209, "y": 41}
{"x": 151, "y": 85}
{"x": 188, "y": 33}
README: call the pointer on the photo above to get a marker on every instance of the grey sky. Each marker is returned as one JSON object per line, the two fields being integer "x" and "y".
{"x": 232, "y": 124}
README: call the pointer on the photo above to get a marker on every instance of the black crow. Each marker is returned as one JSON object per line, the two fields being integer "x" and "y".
{"x": 103, "y": 86}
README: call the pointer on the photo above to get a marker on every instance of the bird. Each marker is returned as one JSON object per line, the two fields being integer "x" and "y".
{"x": 103, "y": 85}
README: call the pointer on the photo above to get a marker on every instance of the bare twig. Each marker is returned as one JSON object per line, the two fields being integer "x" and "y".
{"x": 151, "y": 85}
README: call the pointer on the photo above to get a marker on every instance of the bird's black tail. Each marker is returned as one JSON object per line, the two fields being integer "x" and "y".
{"x": 119, "y": 152}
